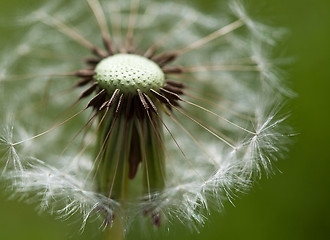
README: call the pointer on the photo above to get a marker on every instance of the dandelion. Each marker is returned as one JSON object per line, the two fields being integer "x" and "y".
{"x": 153, "y": 111}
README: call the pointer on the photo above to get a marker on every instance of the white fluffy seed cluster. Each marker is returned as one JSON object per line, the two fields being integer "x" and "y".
{"x": 237, "y": 74}
{"x": 129, "y": 72}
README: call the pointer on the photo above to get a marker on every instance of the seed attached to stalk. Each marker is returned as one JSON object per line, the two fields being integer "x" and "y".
{"x": 164, "y": 140}
{"x": 130, "y": 160}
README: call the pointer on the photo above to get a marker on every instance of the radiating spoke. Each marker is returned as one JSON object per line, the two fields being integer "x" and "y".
{"x": 102, "y": 23}
{"x": 131, "y": 24}
{"x": 219, "y": 33}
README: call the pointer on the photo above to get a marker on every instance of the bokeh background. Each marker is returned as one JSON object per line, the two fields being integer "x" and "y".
{"x": 294, "y": 204}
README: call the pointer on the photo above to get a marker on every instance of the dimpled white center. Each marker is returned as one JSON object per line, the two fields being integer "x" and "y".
{"x": 128, "y": 72}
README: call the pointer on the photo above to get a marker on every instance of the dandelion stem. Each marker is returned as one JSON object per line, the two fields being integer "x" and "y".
{"x": 114, "y": 232}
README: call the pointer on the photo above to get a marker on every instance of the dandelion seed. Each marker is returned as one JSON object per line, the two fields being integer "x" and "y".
{"x": 157, "y": 124}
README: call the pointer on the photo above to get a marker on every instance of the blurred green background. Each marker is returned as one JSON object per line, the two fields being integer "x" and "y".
{"x": 294, "y": 204}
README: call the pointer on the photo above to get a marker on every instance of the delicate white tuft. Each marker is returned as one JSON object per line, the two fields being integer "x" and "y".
{"x": 228, "y": 131}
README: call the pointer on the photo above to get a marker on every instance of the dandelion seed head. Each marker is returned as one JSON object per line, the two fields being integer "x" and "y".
{"x": 173, "y": 116}
{"x": 128, "y": 73}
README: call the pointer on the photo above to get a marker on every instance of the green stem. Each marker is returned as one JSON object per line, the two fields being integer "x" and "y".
{"x": 114, "y": 232}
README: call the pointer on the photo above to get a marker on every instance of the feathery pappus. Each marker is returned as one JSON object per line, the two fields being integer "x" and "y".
{"x": 139, "y": 111}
